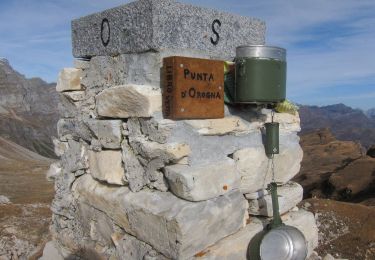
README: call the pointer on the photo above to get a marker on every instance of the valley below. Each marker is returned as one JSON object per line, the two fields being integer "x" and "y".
{"x": 25, "y": 218}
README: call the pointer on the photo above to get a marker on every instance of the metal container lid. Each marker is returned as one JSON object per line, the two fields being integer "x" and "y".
{"x": 261, "y": 51}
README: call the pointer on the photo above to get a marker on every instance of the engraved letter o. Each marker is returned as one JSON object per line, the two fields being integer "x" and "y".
{"x": 105, "y": 32}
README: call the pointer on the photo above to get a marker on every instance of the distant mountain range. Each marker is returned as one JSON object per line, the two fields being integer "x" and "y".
{"x": 28, "y": 110}
{"x": 345, "y": 122}
{"x": 371, "y": 113}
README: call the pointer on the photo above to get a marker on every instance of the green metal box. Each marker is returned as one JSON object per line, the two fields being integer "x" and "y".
{"x": 272, "y": 138}
{"x": 260, "y": 74}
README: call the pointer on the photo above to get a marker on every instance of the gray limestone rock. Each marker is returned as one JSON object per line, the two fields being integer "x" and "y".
{"x": 229, "y": 125}
{"x": 67, "y": 107}
{"x": 59, "y": 147}
{"x": 157, "y": 130}
{"x": 53, "y": 171}
{"x": 69, "y": 79}
{"x": 73, "y": 129}
{"x": 212, "y": 148}
{"x": 288, "y": 122}
{"x": 134, "y": 128}
{"x": 4, "y": 200}
{"x": 75, "y": 95}
{"x": 172, "y": 226}
{"x": 76, "y": 156}
{"x": 129, "y": 247}
{"x": 157, "y": 180}
{"x": 108, "y": 132}
{"x": 50, "y": 251}
{"x": 134, "y": 172}
{"x": 169, "y": 152}
{"x": 203, "y": 182}
{"x": 146, "y": 25}
{"x": 235, "y": 247}
{"x": 289, "y": 195}
{"x": 140, "y": 69}
{"x": 128, "y": 101}
{"x": 81, "y": 64}
{"x": 255, "y": 167}
{"x": 107, "y": 166}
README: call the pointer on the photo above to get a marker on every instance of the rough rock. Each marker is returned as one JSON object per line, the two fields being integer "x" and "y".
{"x": 76, "y": 157}
{"x": 128, "y": 247}
{"x": 67, "y": 107}
{"x": 134, "y": 172}
{"x": 59, "y": 147}
{"x": 107, "y": 166}
{"x": 212, "y": 148}
{"x": 255, "y": 168}
{"x": 358, "y": 177}
{"x": 203, "y": 182}
{"x": 251, "y": 162}
{"x": 4, "y": 200}
{"x": 108, "y": 132}
{"x": 289, "y": 195}
{"x": 235, "y": 247}
{"x": 169, "y": 152}
{"x": 256, "y": 195}
{"x": 75, "y": 95}
{"x": 171, "y": 225}
{"x": 157, "y": 181}
{"x": 156, "y": 25}
{"x": 50, "y": 251}
{"x": 223, "y": 126}
{"x": 69, "y": 79}
{"x": 53, "y": 171}
{"x": 288, "y": 122}
{"x": 81, "y": 64}
{"x": 157, "y": 130}
{"x": 128, "y": 101}
{"x": 139, "y": 69}
{"x": 323, "y": 155}
{"x": 73, "y": 129}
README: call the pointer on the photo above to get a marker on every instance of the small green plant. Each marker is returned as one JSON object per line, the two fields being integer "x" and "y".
{"x": 286, "y": 107}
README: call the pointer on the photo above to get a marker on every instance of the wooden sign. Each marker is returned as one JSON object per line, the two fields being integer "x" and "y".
{"x": 193, "y": 88}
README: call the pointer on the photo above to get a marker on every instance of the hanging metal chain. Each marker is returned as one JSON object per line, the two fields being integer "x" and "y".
{"x": 273, "y": 169}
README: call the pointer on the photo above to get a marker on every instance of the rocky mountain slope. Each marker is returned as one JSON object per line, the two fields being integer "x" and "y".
{"x": 345, "y": 122}
{"x": 346, "y": 230}
{"x": 24, "y": 215}
{"x": 28, "y": 110}
{"x": 371, "y": 113}
{"x": 335, "y": 169}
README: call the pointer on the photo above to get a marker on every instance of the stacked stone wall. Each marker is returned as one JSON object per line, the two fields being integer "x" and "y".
{"x": 134, "y": 185}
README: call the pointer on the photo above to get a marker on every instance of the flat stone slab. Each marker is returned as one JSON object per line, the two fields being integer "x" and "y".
{"x": 176, "y": 228}
{"x": 128, "y": 101}
{"x": 203, "y": 182}
{"x": 146, "y": 25}
{"x": 289, "y": 195}
{"x": 235, "y": 247}
{"x": 107, "y": 166}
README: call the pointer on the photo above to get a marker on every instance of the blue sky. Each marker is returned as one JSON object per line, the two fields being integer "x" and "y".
{"x": 330, "y": 43}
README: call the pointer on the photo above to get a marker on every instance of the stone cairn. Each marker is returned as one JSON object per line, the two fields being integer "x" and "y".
{"x": 133, "y": 185}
